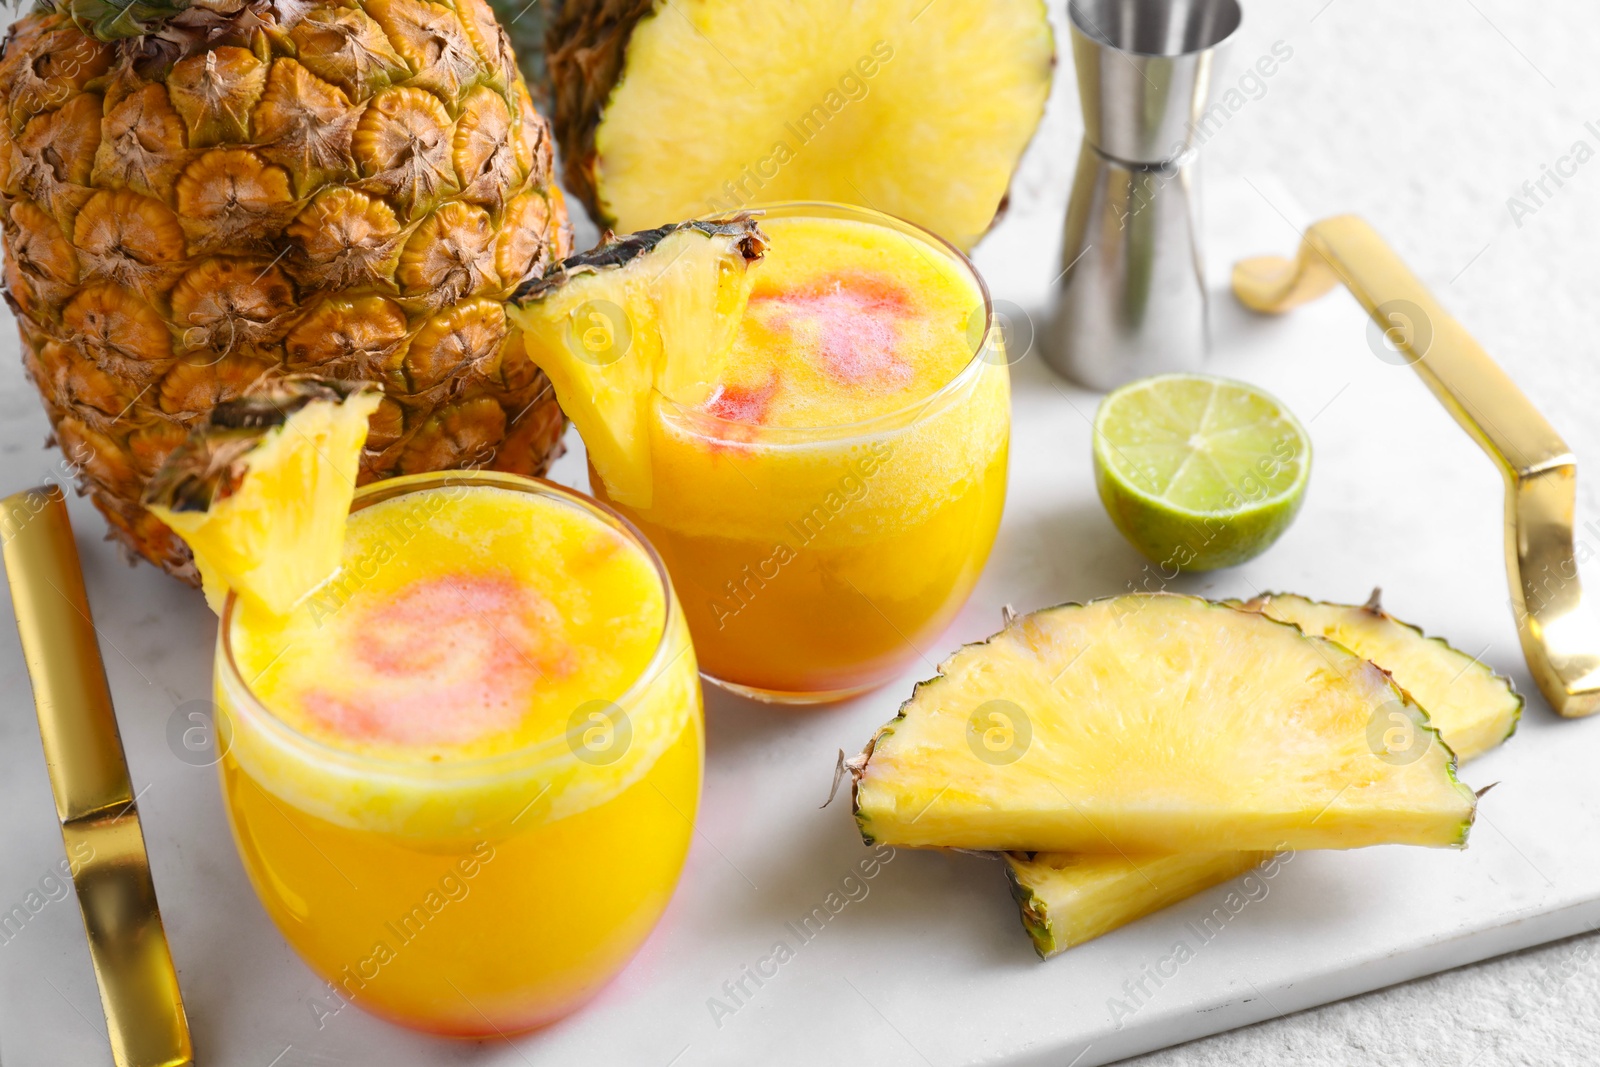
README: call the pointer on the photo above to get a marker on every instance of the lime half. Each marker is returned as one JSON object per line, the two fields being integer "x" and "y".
{"x": 1199, "y": 472}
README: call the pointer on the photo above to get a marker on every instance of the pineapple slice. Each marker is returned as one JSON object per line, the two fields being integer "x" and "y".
{"x": 261, "y": 489}
{"x": 918, "y": 109}
{"x": 1067, "y": 898}
{"x": 652, "y": 313}
{"x": 1473, "y": 708}
{"x": 1155, "y": 723}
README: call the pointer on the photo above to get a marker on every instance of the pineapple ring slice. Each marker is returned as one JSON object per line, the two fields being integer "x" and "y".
{"x": 1154, "y": 724}
{"x": 1067, "y": 898}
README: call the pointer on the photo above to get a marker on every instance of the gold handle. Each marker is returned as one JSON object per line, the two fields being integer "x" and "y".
{"x": 89, "y": 777}
{"x": 1560, "y": 640}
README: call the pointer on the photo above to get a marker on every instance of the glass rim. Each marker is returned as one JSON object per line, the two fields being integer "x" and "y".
{"x": 513, "y": 760}
{"x": 734, "y": 432}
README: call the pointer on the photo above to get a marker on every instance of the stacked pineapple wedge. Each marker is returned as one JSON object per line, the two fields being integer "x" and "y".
{"x": 1130, "y": 752}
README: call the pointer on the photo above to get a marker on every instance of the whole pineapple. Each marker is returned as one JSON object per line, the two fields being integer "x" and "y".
{"x": 198, "y": 198}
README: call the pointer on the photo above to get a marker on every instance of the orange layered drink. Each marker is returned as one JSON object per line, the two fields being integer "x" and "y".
{"x": 463, "y": 773}
{"x": 826, "y": 485}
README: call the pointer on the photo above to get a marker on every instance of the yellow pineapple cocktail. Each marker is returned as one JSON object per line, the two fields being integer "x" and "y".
{"x": 826, "y": 506}
{"x": 463, "y": 774}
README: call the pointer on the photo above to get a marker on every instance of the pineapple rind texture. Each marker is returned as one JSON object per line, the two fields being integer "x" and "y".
{"x": 1156, "y": 724}
{"x": 1066, "y": 899}
{"x": 921, "y": 111}
{"x": 256, "y": 189}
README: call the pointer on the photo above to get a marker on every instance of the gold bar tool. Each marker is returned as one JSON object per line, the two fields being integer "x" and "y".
{"x": 89, "y": 778}
{"x": 1560, "y": 637}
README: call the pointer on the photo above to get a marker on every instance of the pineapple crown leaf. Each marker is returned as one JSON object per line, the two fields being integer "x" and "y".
{"x": 615, "y": 252}
{"x": 210, "y": 464}
{"x": 111, "y": 20}
{"x": 181, "y": 20}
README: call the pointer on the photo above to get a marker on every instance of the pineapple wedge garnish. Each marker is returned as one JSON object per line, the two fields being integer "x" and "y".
{"x": 647, "y": 316}
{"x": 1155, "y": 724}
{"x": 1068, "y": 898}
{"x": 260, "y": 491}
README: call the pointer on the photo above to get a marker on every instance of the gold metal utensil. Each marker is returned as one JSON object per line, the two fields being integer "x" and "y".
{"x": 1560, "y": 638}
{"x": 89, "y": 777}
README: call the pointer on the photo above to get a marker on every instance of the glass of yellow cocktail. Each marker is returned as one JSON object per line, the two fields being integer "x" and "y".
{"x": 826, "y": 504}
{"x": 463, "y": 774}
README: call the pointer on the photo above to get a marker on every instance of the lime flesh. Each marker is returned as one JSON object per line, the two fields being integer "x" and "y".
{"x": 1199, "y": 472}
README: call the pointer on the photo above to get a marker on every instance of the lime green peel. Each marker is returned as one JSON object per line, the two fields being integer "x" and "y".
{"x": 1199, "y": 472}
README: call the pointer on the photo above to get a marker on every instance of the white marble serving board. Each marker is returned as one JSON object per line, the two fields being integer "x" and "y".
{"x": 925, "y": 963}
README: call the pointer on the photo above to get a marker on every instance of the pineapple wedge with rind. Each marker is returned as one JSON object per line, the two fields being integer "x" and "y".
{"x": 260, "y": 491}
{"x": 653, "y": 314}
{"x": 1472, "y": 707}
{"x": 1067, "y": 899}
{"x": 1154, "y": 723}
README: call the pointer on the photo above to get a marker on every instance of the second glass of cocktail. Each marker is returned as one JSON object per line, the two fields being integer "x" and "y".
{"x": 826, "y": 495}
{"x": 459, "y": 717}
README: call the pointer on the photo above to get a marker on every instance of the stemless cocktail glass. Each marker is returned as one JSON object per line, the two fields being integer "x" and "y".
{"x": 813, "y": 562}
{"x": 481, "y": 895}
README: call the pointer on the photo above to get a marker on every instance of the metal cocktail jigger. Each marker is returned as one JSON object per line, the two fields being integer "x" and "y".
{"x": 1131, "y": 299}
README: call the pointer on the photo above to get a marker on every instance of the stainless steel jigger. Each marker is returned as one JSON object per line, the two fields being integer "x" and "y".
{"x": 1131, "y": 300}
